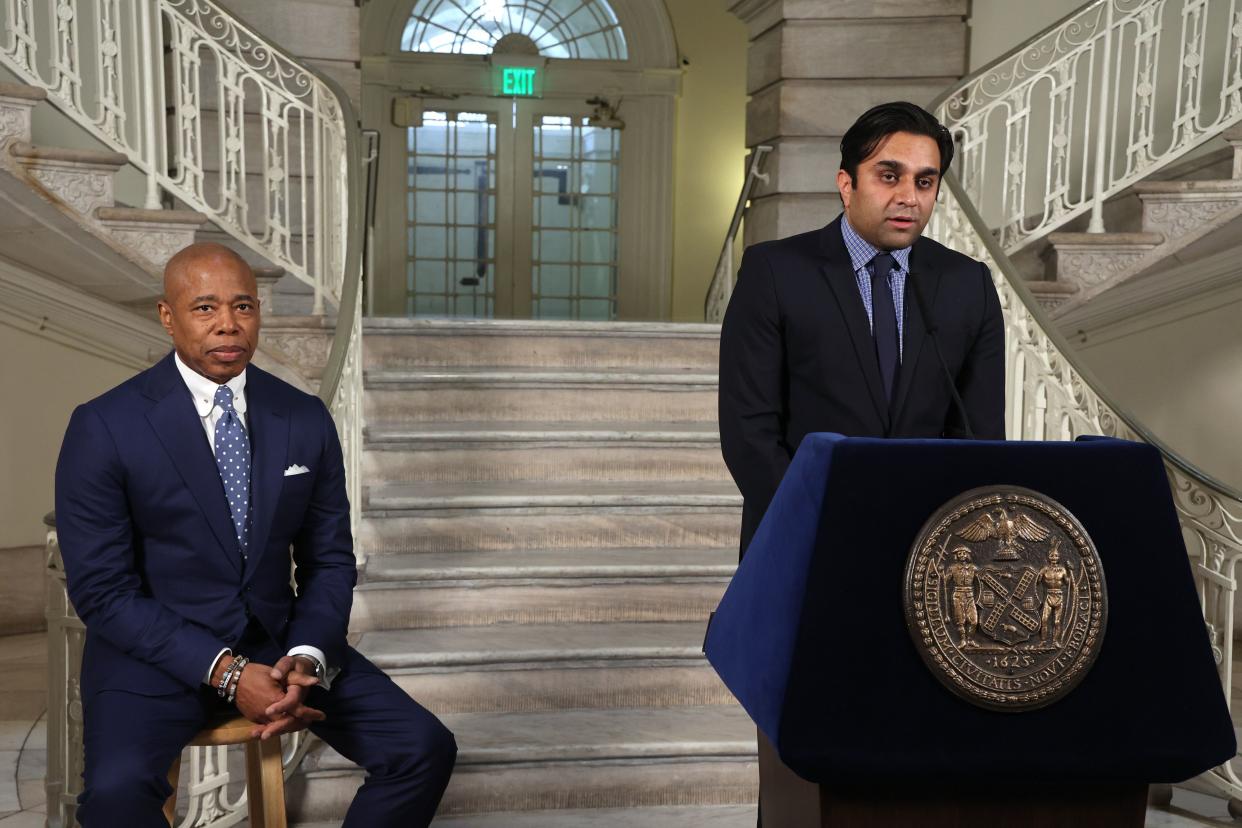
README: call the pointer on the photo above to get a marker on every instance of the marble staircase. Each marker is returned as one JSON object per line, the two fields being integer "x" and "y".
{"x": 547, "y": 525}
{"x": 1175, "y": 224}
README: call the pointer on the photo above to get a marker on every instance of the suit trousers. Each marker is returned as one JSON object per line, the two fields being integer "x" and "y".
{"x": 131, "y": 740}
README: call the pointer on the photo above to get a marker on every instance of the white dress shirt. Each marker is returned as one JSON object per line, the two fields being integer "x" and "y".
{"x": 203, "y": 391}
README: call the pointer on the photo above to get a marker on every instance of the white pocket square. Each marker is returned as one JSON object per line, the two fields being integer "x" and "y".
{"x": 295, "y": 469}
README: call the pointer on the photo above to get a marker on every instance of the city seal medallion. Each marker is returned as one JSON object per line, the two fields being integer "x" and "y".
{"x": 1005, "y": 599}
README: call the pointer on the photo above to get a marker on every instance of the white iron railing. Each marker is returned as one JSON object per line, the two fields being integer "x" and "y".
{"x": 227, "y": 123}
{"x": 721, "y": 288}
{"x": 230, "y": 125}
{"x": 1097, "y": 102}
{"x": 1051, "y": 396}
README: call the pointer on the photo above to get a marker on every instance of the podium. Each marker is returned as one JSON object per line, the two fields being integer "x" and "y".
{"x": 855, "y": 729}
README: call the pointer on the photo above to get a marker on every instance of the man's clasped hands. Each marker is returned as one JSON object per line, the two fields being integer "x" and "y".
{"x": 273, "y": 697}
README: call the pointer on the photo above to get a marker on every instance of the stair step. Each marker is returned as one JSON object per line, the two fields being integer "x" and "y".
{"x": 1224, "y": 187}
{"x": 1107, "y": 240}
{"x": 535, "y": 395}
{"x": 686, "y": 816}
{"x": 138, "y": 214}
{"x": 26, "y": 151}
{"x": 632, "y": 433}
{"x": 17, "y": 102}
{"x": 668, "y": 527}
{"x": 80, "y": 179}
{"x": 547, "y": 587}
{"x": 544, "y": 495}
{"x": 446, "y": 343}
{"x": 571, "y": 759}
{"x": 547, "y": 564}
{"x": 22, "y": 91}
{"x": 544, "y": 667}
{"x": 448, "y": 452}
{"x": 531, "y": 644}
{"x": 704, "y": 816}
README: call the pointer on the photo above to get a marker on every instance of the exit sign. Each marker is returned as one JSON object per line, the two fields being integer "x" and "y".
{"x": 518, "y": 81}
{"x": 518, "y": 76}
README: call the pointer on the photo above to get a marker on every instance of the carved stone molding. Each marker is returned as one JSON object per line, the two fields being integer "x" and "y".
{"x": 307, "y": 349}
{"x": 1096, "y": 265}
{"x": 155, "y": 242}
{"x": 15, "y": 119}
{"x": 83, "y": 187}
{"x": 1176, "y": 217}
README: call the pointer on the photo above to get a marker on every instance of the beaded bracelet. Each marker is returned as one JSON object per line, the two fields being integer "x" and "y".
{"x": 237, "y": 677}
{"x": 222, "y": 689}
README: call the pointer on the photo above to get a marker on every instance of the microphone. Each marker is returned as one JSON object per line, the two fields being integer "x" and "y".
{"x": 930, "y": 324}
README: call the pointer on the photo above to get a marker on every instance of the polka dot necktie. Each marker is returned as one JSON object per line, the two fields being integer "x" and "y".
{"x": 233, "y": 460}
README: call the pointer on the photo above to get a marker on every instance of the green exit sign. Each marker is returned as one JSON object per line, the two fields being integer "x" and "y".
{"x": 519, "y": 82}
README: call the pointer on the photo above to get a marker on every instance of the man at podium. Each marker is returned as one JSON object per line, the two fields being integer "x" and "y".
{"x": 862, "y": 327}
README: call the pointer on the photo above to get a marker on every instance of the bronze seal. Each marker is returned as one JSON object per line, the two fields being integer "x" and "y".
{"x": 1005, "y": 599}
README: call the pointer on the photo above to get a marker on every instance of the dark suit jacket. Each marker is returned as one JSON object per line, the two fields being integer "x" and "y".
{"x": 797, "y": 356}
{"x": 151, "y": 557}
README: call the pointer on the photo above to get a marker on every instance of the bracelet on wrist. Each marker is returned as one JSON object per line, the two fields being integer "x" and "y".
{"x": 222, "y": 687}
{"x": 240, "y": 664}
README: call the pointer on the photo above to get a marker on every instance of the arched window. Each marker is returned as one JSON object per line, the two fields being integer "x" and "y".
{"x": 575, "y": 29}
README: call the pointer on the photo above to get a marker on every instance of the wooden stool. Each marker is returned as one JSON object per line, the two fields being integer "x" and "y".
{"x": 265, "y": 774}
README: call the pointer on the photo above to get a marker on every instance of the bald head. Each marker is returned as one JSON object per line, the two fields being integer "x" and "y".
{"x": 211, "y": 309}
{"x": 192, "y": 259}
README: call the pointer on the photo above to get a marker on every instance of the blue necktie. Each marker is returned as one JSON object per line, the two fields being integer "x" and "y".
{"x": 884, "y": 321}
{"x": 233, "y": 460}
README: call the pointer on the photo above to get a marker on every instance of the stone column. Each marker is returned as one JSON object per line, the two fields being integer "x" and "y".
{"x": 816, "y": 65}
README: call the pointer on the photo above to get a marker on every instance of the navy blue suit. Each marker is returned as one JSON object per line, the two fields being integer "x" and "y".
{"x": 154, "y": 570}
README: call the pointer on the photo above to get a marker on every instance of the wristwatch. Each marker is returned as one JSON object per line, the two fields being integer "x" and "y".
{"x": 314, "y": 661}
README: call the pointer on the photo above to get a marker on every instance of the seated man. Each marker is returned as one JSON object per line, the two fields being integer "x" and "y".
{"x": 179, "y": 495}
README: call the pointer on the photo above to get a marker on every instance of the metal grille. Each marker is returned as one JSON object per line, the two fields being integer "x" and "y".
{"x": 574, "y": 220}
{"x": 451, "y": 215}
{"x": 577, "y": 29}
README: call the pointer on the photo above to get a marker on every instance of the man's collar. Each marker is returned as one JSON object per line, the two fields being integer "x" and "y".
{"x": 862, "y": 251}
{"x": 203, "y": 390}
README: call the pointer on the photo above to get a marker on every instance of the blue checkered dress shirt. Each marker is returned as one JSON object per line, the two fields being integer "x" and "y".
{"x": 861, "y": 254}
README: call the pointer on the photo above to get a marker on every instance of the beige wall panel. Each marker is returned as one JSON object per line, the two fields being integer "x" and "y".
{"x": 52, "y": 380}
{"x": 779, "y": 216}
{"x": 811, "y": 108}
{"x": 1183, "y": 380}
{"x": 710, "y": 149}
{"x": 773, "y": 13}
{"x": 869, "y": 49}
{"x": 323, "y": 29}
{"x": 997, "y": 26}
{"x": 801, "y": 165}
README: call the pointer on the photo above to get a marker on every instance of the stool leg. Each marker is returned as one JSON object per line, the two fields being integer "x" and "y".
{"x": 170, "y": 804}
{"x": 265, "y": 783}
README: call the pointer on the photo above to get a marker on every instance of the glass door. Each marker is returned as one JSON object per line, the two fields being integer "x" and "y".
{"x": 511, "y": 211}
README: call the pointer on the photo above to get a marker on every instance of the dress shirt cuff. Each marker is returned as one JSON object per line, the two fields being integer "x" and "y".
{"x": 325, "y": 680}
{"x": 214, "y": 662}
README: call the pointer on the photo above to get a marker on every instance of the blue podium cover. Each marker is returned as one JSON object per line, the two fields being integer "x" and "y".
{"x": 811, "y": 635}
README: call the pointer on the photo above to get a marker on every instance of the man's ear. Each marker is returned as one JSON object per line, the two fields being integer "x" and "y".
{"x": 845, "y": 185}
{"x": 165, "y": 315}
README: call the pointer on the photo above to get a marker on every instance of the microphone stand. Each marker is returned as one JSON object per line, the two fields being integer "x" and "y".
{"x": 931, "y": 333}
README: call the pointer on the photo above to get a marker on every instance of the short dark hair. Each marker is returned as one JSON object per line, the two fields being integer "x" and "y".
{"x": 879, "y": 122}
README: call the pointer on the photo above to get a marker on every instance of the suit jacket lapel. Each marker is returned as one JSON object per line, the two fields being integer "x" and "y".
{"x": 269, "y": 441}
{"x": 839, "y": 273}
{"x": 914, "y": 328}
{"x": 177, "y": 425}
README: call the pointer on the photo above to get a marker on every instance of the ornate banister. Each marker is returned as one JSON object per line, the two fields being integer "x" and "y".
{"x": 1101, "y": 99}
